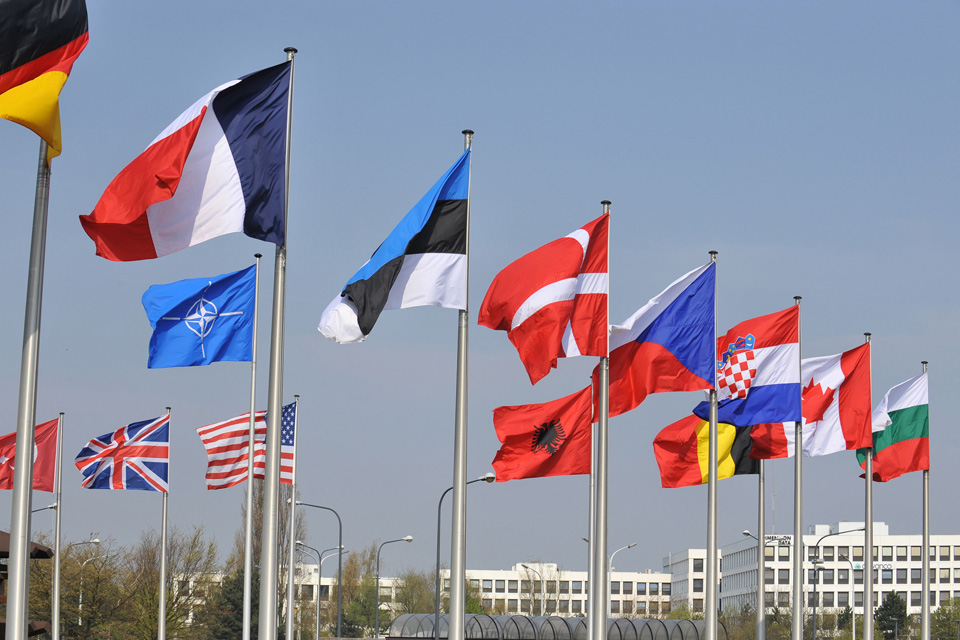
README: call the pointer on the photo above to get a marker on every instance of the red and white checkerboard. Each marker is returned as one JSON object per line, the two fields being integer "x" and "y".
{"x": 735, "y": 378}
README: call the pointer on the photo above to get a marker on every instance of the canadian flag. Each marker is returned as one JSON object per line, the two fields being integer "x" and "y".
{"x": 837, "y": 415}
{"x": 552, "y": 302}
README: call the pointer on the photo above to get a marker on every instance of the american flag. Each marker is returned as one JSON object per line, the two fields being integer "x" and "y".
{"x": 136, "y": 456}
{"x": 228, "y": 443}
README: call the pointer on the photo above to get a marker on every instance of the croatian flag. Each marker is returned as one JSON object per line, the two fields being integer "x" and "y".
{"x": 758, "y": 371}
{"x": 219, "y": 168}
{"x": 552, "y": 302}
{"x": 423, "y": 262}
{"x": 667, "y": 345}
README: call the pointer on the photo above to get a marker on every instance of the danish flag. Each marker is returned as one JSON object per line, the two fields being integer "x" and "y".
{"x": 136, "y": 456}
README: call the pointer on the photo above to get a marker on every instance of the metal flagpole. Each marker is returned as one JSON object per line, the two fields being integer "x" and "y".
{"x": 597, "y": 581}
{"x": 868, "y": 532}
{"x": 925, "y": 585}
{"x": 267, "y": 628}
{"x": 713, "y": 581}
{"x": 19, "y": 561}
{"x": 162, "y": 619}
{"x": 797, "y": 631}
{"x": 55, "y": 608}
{"x": 458, "y": 531}
{"x": 592, "y": 511}
{"x": 251, "y": 452}
{"x": 291, "y": 534}
{"x": 761, "y": 559}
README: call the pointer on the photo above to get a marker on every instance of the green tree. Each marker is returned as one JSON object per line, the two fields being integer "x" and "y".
{"x": 891, "y": 615}
{"x": 943, "y": 621}
{"x": 220, "y": 617}
{"x": 415, "y": 592}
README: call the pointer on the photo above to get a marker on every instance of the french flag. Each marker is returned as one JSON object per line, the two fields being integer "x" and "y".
{"x": 758, "y": 371}
{"x": 668, "y": 345}
{"x": 219, "y": 168}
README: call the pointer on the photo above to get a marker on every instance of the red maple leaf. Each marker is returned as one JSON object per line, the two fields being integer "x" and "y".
{"x": 815, "y": 402}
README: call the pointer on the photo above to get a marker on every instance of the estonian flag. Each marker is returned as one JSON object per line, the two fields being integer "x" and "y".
{"x": 39, "y": 42}
{"x": 423, "y": 262}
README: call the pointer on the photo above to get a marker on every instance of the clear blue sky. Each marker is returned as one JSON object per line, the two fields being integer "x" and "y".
{"x": 814, "y": 145}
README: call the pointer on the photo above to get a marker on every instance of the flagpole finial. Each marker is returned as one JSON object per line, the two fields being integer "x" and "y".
{"x": 258, "y": 255}
{"x": 467, "y": 138}
{"x": 290, "y": 50}
{"x": 713, "y": 256}
{"x": 797, "y": 299}
{"x": 168, "y": 410}
{"x": 866, "y": 336}
{"x": 606, "y": 205}
{"x": 924, "y": 363}
{"x": 467, "y": 132}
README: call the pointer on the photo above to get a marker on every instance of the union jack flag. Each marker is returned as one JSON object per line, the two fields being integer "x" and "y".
{"x": 136, "y": 456}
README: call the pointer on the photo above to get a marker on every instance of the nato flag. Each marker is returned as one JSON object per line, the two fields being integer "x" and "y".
{"x": 202, "y": 320}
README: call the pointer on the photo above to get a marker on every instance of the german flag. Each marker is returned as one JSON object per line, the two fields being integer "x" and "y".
{"x": 39, "y": 41}
{"x": 682, "y": 451}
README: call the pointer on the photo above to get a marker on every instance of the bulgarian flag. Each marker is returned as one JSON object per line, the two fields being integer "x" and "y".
{"x": 901, "y": 438}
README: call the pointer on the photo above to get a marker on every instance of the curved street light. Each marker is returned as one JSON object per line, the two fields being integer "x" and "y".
{"x": 55, "y": 613}
{"x": 339, "y": 563}
{"x": 376, "y": 614}
{"x": 529, "y": 568}
{"x": 610, "y": 571}
{"x": 817, "y": 563}
{"x": 489, "y": 477}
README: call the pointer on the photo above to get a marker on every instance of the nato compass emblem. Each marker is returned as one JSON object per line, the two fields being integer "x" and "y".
{"x": 201, "y": 317}
{"x": 549, "y": 437}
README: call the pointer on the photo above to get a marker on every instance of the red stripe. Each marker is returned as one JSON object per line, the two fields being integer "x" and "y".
{"x": 118, "y": 224}
{"x": 676, "y": 450}
{"x": 855, "y": 412}
{"x": 60, "y": 59}
{"x": 782, "y": 327}
{"x": 769, "y": 441}
{"x": 900, "y": 458}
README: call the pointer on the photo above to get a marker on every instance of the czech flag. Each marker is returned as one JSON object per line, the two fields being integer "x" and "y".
{"x": 665, "y": 346}
{"x": 39, "y": 42}
{"x": 219, "y": 168}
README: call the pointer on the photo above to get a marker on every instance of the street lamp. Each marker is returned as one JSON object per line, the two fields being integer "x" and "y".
{"x": 320, "y": 557}
{"x": 376, "y": 614}
{"x": 339, "y": 564}
{"x": 761, "y": 589}
{"x": 542, "y": 590}
{"x": 610, "y": 570}
{"x": 490, "y": 477}
{"x": 853, "y": 612}
{"x": 56, "y": 587}
{"x": 816, "y": 560}
{"x": 80, "y": 602}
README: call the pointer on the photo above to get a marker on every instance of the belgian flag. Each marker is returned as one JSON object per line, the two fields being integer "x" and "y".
{"x": 39, "y": 42}
{"x": 682, "y": 450}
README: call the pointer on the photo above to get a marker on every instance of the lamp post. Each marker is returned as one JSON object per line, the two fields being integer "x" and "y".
{"x": 490, "y": 477}
{"x": 610, "y": 570}
{"x": 80, "y": 600}
{"x": 761, "y": 589}
{"x": 320, "y": 557}
{"x": 816, "y": 568}
{"x": 376, "y": 614}
{"x": 853, "y": 612}
{"x": 56, "y": 585}
{"x": 339, "y": 563}
{"x": 542, "y": 590}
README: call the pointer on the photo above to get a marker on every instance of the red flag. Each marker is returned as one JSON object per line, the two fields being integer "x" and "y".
{"x": 552, "y": 302}
{"x": 44, "y": 457}
{"x": 682, "y": 451}
{"x": 540, "y": 440}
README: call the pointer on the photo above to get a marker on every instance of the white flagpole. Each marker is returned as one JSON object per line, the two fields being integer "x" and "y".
{"x": 797, "y": 631}
{"x": 712, "y": 454}
{"x": 162, "y": 620}
{"x": 458, "y": 531}
{"x": 55, "y": 605}
{"x": 597, "y": 581}
{"x": 925, "y": 585}
{"x": 267, "y": 628}
{"x": 868, "y": 531}
{"x": 761, "y": 559}
{"x": 291, "y": 533}
{"x": 251, "y": 452}
{"x": 19, "y": 561}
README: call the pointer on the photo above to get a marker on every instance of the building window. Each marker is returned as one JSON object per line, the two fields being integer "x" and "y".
{"x": 843, "y": 576}
{"x": 511, "y": 586}
{"x": 654, "y": 589}
{"x": 812, "y": 553}
{"x": 551, "y": 586}
{"x": 698, "y": 565}
{"x": 641, "y": 588}
{"x": 956, "y": 575}
{"x": 512, "y": 604}
{"x": 783, "y": 599}
{"x": 886, "y": 576}
{"x": 564, "y": 606}
{"x": 767, "y": 575}
{"x": 827, "y": 553}
{"x": 783, "y": 552}
{"x": 915, "y": 553}
{"x": 526, "y": 586}
{"x": 858, "y": 576}
{"x": 665, "y": 607}
{"x": 551, "y": 606}
{"x": 614, "y": 606}
{"x": 915, "y": 600}
{"x": 576, "y": 606}
{"x": 654, "y": 608}
{"x": 933, "y": 552}
{"x": 627, "y": 606}
{"x": 933, "y": 576}
{"x": 811, "y": 576}
{"x": 944, "y": 596}
{"x": 783, "y": 576}
{"x": 768, "y": 598}
{"x": 901, "y": 554}
{"x": 525, "y": 606}
{"x": 944, "y": 576}
{"x": 875, "y": 554}
{"x": 487, "y": 586}
{"x": 665, "y": 589}
{"x": 698, "y": 585}
{"x": 641, "y": 607}
{"x": 577, "y": 588}
{"x": 564, "y": 586}
{"x": 901, "y": 576}
{"x": 615, "y": 588}
{"x": 486, "y": 602}
{"x": 473, "y": 583}
{"x": 325, "y": 592}
{"x": 858, "y": 599}
{"x": 843, "y": 599}
{"x": 857, "y": 554}
{"x": 768, "y": 553}
{"x": 843, "y": 553}
{"x": 812, "y": 599}
{"x": 501, "y": 586}
{"x": 916, "y": 576}
{"x": 827, "y": 576}
{"x": 944, "y": 552}
{"x": 887, "y": 554}
{"x": 628, "y": 588}
{"x": 828, "y": 600}
{"x": 933, "y": 599}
